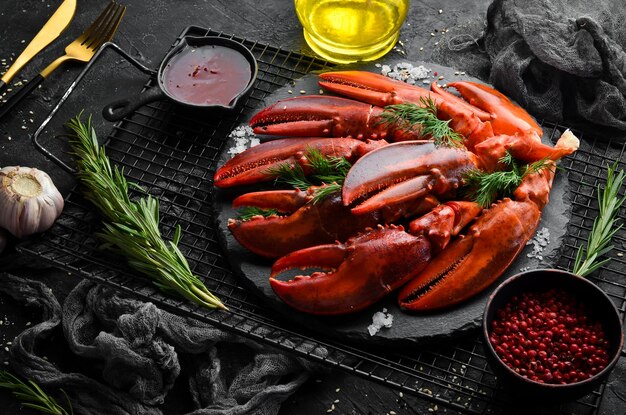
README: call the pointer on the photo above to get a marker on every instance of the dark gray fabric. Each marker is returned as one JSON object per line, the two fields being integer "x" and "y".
{"x": 141, "y": 349}
{"x": 560, "y": 59}
{"x": 87, "y": 395}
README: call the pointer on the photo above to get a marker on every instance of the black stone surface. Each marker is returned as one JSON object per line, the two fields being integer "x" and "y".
{"x": 407, "y": 329}
{"x": 147, "y": 32}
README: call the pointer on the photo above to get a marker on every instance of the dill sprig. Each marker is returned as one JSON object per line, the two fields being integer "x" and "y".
{"x": 290, "y": 174}
{"x": 604, "y": 225}
{"x": 423, "y": 118}
{"x": 325, "y": 191}
{"x": 32, "y": 396}
{"x": 248, "y": 212}
{"x": 484, "y": 188}
{"x": 132, "y": 228}
{"x": 327, "y": 170}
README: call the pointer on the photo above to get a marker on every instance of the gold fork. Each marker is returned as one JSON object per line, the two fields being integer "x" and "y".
{"x": 82, "y": 49}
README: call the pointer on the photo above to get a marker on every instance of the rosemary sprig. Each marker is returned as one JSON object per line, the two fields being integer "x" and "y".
{"x": 248, "y": 212}
{"x": 604, "y": 226}
{"x": 484, "y": 188}
{"x": 132, "y": 228}
{"x": 32, "y": 396}
{"x": 424, "y": 118}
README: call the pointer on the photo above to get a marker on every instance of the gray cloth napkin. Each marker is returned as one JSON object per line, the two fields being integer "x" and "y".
{"x": 141, "y": 349}
{"x": 560, "y": 59}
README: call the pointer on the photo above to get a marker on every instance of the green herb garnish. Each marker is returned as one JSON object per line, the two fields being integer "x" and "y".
{"x": 248, "y": 212}
{"x": 325, "y": 191}
{"x": 423, "y": 118}
{"x": 328, "y": 169}
{"x": 32, "y": 396}
{"x": 132, "y": 228}
{"x": 325, "y": 170}
{"x": 484, "y": 188}
{"x": 290, "y": 174}
{"x": 604, "y": 226}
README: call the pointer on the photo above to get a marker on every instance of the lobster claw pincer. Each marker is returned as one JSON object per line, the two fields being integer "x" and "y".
{"x": 325, "y": 116}
{"x": 358, "y": 273}
{"x": 473, "y": 262}
{"x": 404, "y": 171}
{"x": 380, "y": 90}
{"x": 254, "y": 164}
{"x": 300, "y": 224}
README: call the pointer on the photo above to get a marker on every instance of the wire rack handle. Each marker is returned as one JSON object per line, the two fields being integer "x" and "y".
{"x": 46, "y": 121}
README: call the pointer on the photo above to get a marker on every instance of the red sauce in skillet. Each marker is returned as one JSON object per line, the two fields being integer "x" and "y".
{"x": 207, "y": 75}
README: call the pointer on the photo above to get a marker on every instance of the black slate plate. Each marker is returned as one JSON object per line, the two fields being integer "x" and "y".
{"x": 406, "y": 328}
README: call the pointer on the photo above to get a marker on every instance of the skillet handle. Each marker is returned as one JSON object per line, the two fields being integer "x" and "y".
{"x": 117, "y": 110}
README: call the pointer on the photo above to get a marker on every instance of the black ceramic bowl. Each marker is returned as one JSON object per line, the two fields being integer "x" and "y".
{"x": 600, "y": 307}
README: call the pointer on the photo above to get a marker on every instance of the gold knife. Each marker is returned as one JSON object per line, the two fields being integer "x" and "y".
{"x": 50, "y": 31}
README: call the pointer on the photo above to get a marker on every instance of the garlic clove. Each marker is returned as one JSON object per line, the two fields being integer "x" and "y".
{"x": 29, "y": 201}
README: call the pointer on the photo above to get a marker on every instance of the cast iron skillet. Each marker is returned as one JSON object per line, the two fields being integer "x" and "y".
{"x": 117, "y": 110}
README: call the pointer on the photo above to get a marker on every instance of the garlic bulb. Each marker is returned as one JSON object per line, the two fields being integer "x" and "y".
{"x": 29, "y": 201}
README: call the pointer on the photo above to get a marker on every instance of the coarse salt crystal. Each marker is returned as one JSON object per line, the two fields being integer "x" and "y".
{"x": 405, "y": 72}
{"x": 539, "y": 242}
{"x": 243, "y": 138}
{"x": 380, "y": 320}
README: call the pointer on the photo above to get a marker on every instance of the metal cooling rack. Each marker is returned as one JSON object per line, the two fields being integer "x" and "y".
{"x": 173, "y": 156}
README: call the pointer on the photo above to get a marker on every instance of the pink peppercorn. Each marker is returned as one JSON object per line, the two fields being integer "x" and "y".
{"x": 555, "y": 341}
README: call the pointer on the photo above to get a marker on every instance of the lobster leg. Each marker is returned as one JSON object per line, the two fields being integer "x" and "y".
{"x": 507, "y": 118}
{"x": 523, "y": 148}
{"x": 444, "y": 222}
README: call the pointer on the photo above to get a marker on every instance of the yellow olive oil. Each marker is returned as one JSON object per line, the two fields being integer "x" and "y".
{"x": 351, "y": 30}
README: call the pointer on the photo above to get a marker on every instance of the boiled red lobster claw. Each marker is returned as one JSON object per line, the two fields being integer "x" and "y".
{"x": 301, "y": 223}
{"x": 358, "y": 273}
{"x": 403, "y": 171}
{"x": 326, "y": 116}
{"x": 382, "y": 91}
{"x": 473, "y": 262}
{"x": 254, "y": 165}
{"x": 481, "y": 112}
{"x": 366, "y": 267}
